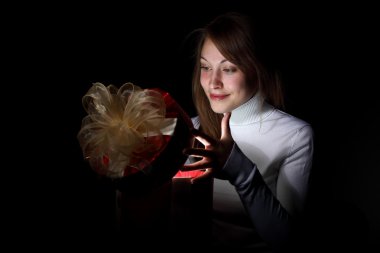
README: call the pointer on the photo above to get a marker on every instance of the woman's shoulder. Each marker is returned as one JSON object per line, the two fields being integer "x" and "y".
{"x": 290, "y": 120}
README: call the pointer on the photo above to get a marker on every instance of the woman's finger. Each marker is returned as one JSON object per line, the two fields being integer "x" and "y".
{"x": 199, "y": 152}
{"x": 204, "y": 176}
{"x": 203, "y": 138}
{"x": 225, "y": 126}
{"x": 202, "y": 164}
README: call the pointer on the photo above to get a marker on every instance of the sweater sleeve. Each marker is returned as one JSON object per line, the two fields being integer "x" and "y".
{"x": 271, "y": 220}
{"x": 293, "y": 178}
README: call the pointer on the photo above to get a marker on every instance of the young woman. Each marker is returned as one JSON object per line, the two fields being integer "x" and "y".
{"x": 260, "y": 157}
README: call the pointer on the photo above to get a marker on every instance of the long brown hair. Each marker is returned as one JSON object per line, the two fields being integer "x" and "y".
{"x": 232, "y": 34}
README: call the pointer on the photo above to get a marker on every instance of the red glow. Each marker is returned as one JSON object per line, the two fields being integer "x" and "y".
{"x": 189, "y": 174}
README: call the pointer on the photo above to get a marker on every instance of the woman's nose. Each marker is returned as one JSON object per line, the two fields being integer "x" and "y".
{"x": 216, "y": 81}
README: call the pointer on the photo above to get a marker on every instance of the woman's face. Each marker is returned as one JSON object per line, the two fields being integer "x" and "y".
{"x": 222, "y": 81}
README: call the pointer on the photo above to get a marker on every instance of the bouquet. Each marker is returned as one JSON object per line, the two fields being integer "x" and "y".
{"x": 133, "y": 136}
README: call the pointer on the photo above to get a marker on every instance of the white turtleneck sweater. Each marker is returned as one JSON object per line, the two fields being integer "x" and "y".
{"x": 271, "y": 146}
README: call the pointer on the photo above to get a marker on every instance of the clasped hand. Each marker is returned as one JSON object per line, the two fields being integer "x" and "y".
{"x": 215, "y": 152}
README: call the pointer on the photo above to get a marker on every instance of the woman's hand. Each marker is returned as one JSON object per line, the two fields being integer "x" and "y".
{"x": 215, "y": 152}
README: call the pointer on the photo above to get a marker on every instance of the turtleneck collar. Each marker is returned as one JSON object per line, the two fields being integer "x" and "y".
{"x": 254, "y": 110}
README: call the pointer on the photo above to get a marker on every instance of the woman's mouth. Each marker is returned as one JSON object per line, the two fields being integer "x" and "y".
{"x": 217, "y": 97}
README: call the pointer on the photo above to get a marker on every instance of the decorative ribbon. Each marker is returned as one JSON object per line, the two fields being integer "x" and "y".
{"x": 125, "y": 128}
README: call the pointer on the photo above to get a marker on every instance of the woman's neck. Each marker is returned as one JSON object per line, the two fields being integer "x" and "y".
{"x": 254, "y": 110}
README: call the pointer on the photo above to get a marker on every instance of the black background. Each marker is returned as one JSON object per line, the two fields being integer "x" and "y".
{"x": 327, "y": 55}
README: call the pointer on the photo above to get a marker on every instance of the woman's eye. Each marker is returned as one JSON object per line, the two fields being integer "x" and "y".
{"x": 205, "y": 68}
{"x": 229, "y": 70}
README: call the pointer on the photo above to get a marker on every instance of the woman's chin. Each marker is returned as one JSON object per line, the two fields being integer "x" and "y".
{"x": 219, "y": 109}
